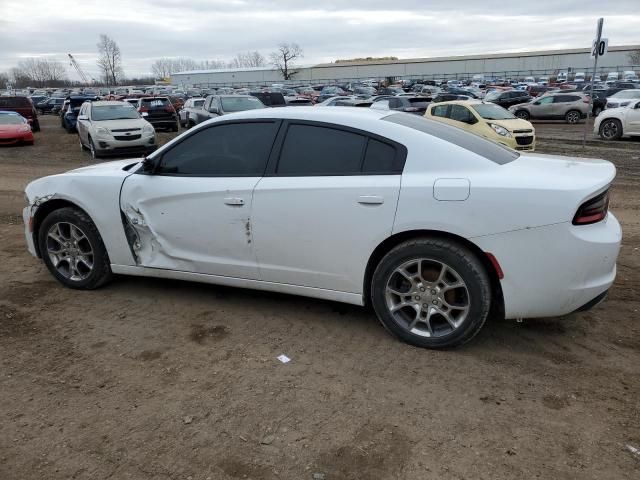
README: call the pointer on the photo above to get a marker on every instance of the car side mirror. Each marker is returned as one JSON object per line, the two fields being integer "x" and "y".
{"x": 83, "y": 117}
{"x": 214, "y": 110}
{"x": 148, "y": 166}
{"x": 536, "y": 103}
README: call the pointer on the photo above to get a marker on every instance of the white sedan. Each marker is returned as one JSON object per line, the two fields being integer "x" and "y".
{"x": 432, "y": 226}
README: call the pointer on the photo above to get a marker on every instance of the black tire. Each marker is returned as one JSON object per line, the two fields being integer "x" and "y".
{"x": 610, "y": 129}
{"x": 523, "y": 115}
{"x": 175, "y": 128}
{"x": 191, "y": 124}
{"x": 36, "y": 126}
{"x": 572, "y": 117}
{"x": 597, "y": 111}
{"x": 454, "y": 256}
{"x": 101, "y": 271}
{"x": 92, "y": 150}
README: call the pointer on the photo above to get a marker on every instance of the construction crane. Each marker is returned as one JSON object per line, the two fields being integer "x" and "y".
{"x": 83, "y": 76}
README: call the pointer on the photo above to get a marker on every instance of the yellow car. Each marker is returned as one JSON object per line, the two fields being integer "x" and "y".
{"x": 487, "y": 120}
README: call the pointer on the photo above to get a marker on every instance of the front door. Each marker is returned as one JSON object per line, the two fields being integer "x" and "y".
{"x": 193, "y": 214}
{"x": 329, "y": 202}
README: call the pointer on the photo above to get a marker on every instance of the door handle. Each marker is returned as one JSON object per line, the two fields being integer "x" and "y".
{"x": 370, "y": 200}
{"x": 234, "y": 201}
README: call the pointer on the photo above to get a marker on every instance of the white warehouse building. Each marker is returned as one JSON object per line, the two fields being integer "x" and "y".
{"x": 545, "y": 62}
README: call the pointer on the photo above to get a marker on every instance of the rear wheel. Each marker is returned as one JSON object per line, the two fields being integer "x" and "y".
{"x": 522, "y": 114}
{"x": 431, "y": 293}
{"x": 597, "y": 111}
{"x": 72, "y": 249}
{"x": 611, "y": 129}
{"x": 572, "y": 117}
{"x": 175, "y": 127}
{"x": 36, "y": 126}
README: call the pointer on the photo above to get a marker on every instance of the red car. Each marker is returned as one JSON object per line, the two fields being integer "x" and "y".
{"x": 24, "y": 107}
{"x": 14, "y": 129}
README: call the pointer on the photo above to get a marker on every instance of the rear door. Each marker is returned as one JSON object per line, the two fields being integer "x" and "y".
{"x": 328, "y": 199}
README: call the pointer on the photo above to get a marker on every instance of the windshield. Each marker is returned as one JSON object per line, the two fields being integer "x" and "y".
{"x": 113, "y": 112}
{"x": 11, "y": 120}
{"x": 627, "y": 94}
{"x": 238, "y": 104}
{"x": 493, "y": 95}
{"x": 492, "y": 112}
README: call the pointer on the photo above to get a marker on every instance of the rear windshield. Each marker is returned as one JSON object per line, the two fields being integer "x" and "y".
{"x": 421, "y": 102}
{"x": 198, "y": 103}
{"x": 155, "y": 102}
{"x": 469, "y": 141}
{"x": 15, "y": 102}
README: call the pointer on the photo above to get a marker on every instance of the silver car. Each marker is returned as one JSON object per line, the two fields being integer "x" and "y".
{"x": 570, "y": 107}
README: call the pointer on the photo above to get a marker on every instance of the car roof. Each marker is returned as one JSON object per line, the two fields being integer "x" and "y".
{"x": 10, "y": 113}
{"x": 330, "y": 115}
{"x": 464, "y": 102}
{"x": 102, "y": 103}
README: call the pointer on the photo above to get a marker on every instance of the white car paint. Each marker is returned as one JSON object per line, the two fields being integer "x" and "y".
{"x": 314, "y": 235}
{"x": 628, "y": 116}
{"x": 623, "y": 98}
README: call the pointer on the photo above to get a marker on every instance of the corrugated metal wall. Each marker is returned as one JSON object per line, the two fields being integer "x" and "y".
{"x": 523, "y": 64}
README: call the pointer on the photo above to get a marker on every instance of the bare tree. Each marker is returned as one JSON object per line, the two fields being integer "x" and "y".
{"x": 42, "y": 72}
{"x": 110, "y": 60}
{"x": 283, "y": 59}
{"x": 162, "y": 68}
{"x": 634, "y": 57}
{"x": 248, "y": 59}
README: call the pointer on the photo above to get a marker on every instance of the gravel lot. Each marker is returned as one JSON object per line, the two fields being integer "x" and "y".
{"x": 157, "y": 379}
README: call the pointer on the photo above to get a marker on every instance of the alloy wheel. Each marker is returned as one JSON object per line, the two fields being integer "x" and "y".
{"x": 70, "y": 251}
{"x": 573, "y": 117}
{"x": 610, "y": 130}
{"x": 428, "y": 298}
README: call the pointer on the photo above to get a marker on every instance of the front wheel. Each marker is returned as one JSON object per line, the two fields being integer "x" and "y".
{"x": 431, "y": 293}
{"x": 522, "y": 115}
{"x": 72, "y": 249}
{"x": 572, "y": 117}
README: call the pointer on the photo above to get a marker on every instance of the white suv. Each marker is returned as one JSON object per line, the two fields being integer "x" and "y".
{"x": 114, "y": 128}
{"x": 615, "y": 123}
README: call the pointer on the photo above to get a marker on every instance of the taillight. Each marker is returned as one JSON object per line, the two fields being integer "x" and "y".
{"x": 143, "y": 109}
{"x": 592, "y": 211}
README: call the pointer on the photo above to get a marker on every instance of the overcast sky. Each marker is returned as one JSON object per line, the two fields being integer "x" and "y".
{"x": 326, "y": 30}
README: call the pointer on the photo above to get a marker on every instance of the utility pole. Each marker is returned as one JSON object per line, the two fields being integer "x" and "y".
{"x": 596, "y": 52}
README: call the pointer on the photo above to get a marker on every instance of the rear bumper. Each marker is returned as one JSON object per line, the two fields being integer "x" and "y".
{"x": 555, "y": 270}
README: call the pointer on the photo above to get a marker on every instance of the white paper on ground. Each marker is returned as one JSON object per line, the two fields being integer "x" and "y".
{"x": 284, "y": 358}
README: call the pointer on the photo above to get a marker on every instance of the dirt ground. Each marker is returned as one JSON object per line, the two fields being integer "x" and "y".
{"x": 158, "y": 379}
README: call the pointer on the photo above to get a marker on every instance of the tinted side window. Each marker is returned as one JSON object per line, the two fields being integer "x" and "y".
{"x": 460, "y": 114}
{"x": 312, "y": 150}
{"x": 380, "y": 158}
{"x": 228, "y": 150}
{"x": 439, "y": 111}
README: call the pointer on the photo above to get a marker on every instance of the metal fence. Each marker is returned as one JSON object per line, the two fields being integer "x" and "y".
{"x": 518, "y": 75}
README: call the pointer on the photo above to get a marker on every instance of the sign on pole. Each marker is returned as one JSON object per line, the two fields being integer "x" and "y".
{"x": 599, "y": 48}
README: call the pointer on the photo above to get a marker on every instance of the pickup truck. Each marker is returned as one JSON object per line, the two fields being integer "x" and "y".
{"x": 216, "y": 105}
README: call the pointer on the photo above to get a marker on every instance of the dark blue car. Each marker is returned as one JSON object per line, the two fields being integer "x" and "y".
{"x": 69, "y": 113}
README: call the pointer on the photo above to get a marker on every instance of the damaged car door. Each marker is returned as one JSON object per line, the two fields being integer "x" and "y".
{"x": 191, "y": 210}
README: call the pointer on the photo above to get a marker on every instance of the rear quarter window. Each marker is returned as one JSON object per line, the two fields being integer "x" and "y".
{"x": 473, "y": 143}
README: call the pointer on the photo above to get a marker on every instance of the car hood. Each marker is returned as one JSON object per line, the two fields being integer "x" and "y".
{"x": 108, "y": 168}
{"x": 11, "y": 129}
{"x": 110, "y": 125}
{"x": 512, "y": 124}
{"x": 513, "y": 107}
